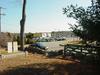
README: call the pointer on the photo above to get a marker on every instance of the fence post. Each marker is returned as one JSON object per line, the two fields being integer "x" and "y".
{"x": 64, "y": 51}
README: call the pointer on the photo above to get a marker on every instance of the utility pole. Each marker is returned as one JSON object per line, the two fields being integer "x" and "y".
{"x": 0, "y": 16}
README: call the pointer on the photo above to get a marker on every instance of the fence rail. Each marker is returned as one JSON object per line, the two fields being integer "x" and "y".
{"x": 82, "y": 51}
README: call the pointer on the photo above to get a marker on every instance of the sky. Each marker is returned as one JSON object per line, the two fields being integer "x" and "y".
{"x": 41, "y": 15}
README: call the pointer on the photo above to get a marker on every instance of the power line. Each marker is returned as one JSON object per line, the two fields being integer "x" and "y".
{"x": 0, "y": 16}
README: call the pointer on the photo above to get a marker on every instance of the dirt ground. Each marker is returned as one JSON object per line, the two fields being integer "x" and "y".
{"x": 35, "y": 64}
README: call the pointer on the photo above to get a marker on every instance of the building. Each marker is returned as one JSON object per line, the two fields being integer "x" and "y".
{"x": 46, "y": 34}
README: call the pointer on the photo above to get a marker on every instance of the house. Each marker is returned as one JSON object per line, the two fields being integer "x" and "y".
{"x": 46, "y": 34}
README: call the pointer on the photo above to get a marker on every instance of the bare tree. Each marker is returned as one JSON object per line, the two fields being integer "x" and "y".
{"x": 22, "y": 25}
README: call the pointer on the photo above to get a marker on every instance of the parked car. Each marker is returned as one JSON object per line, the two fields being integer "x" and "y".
{"x": 37, "y": 48}
{"x": 39, "y": 45}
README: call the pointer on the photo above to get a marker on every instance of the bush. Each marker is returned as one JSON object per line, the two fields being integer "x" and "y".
{"x": 4, "y": 38}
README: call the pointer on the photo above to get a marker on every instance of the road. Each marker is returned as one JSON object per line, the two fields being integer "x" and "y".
{"x": 53, "y": 46}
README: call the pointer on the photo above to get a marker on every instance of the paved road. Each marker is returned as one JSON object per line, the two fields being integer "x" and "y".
{"x": 53, "y": 46}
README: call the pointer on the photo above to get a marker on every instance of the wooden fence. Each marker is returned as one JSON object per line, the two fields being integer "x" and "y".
{"x": 82, "y": 51}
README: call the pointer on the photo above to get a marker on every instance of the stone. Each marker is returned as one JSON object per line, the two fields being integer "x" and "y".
{"x": 15, "y": 47}
{"x": 9, "y": 47}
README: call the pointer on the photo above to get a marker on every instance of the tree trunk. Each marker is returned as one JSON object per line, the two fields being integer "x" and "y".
{"x": 22, "y": 25}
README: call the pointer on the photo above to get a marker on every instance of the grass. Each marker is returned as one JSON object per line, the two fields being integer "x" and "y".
{"x": 71, "y": 42}
{"x": 4, "y": 51}
{"x": 35, "y": 64}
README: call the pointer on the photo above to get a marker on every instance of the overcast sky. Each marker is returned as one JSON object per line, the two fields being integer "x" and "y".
{"x": 41, "y": 15}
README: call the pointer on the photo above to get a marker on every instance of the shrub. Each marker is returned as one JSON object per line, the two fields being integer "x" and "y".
{"x": 4, "y": 38}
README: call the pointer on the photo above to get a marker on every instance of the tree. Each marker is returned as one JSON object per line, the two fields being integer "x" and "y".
{"x": 29, "y": 35}
{"x": 29, "y": 38}
{"x": 88, "y": 21}
{"x": 22, "y": 24}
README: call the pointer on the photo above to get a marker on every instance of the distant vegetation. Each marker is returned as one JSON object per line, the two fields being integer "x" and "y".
{"x": 29, "y": 38}
{"x": 4, "y": 38}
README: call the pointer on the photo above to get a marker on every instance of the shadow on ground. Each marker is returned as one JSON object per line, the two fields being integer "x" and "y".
{"x": 52, "y": 69}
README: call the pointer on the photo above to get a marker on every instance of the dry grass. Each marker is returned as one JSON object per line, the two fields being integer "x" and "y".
{"x": 35, "y": 64}
{"x": 72, "y": 42}
{"x": 3, "y": 51}
{"x": 30, "y": 59}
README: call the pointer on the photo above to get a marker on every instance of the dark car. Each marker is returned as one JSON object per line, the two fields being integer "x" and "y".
{"x": 37, "y": 48}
